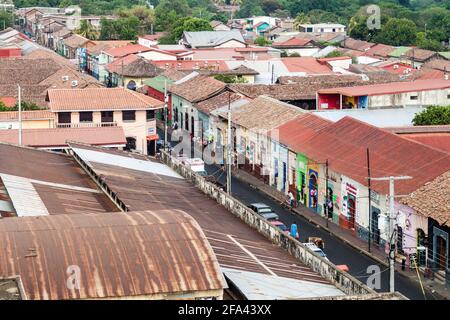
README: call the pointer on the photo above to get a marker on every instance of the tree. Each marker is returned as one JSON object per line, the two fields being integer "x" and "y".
{"x": 270, "y": 6}
{"x": 145, "y": 15}
{"x": 260, "y": 41}
{"x": 250, "y": 8}
{"x": 189, "y": 24}
{"x": 398, "y": 32}
{"x": 168, "y": 11}
{"x": 434, "y": 115}
{"x": 202, "y": 13}
{"x": 423, "y": 42}
{"x": 87, "y": 30}
{"x": 6, "y": 20}
{"x": 226, "y": 78}
{"x": 25, "y": 106}
{"x": 334, "y": 54}
{"x": 120, "y": 29}
{"x": 300, "y": 19}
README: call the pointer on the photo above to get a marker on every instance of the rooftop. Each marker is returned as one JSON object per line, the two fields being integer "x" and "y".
{"x": 358, "y": 45}
{"x": 202, "y": 39}
{"x": 220, "y": 100}
{"x": 126, "y": 50}
{"x": 390, "y": 88}
{"x": 27, "y": 115}
{"x": 93, "y": 99}
{"x": 132, "y": 267}
{"x": 76, "y": 41}
{"x": 198, "y": 88}
{"x": 133, "y": 66}
{"x": 420, "y": 54}
{"x": 291, "y": 43}
{"x": 54, "y": 138}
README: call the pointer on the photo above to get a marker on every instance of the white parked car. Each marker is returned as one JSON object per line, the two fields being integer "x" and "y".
{"x": 316, "y": 249}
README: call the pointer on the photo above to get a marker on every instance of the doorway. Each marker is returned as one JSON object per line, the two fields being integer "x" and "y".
{"x": 374, "y": 225}
{"x": 421, "y": 254}
{"x": 351, "y": 211}
{"x": 313, "y": 189}
{"x": 441, "y": 252}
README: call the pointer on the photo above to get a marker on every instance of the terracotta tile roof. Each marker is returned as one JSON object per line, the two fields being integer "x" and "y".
{"x": 27, "y": 115}
{"x": 241, "y": 70}
{"x": 380, "y": 50}
{"x": 438, "y": 64}
{"x": 390, "y": 88}
{"x": 429, "y": 74}
{"x": 126, "y": 50}
{"x": 134, "y": 66}
{"x": 305, "y": 64}
{"x": 64, "y": 32}
{"x": 217, "y": 101}
{"x": 272, "y": 113}
{"x": 91, "y": 99}
{"x": 351, "y": 52}
{"x": 432, "y": 199}
{"x": 420, "y": 54}
{"x": 420, "y": 129}
{"x": 57, "y": 80}
{"x": 105, "y": 45}
{"x": 8, "y": 101}
{"x": 26, "y": 71}
{"x": 58, "y": 137}
{"x": 292, "y": 43}
{"x": 75, "y": 41}
{"x": 173, "y": 74}
{"x": 192, "y": 65}
{"x": 154, "y": 37}
{"x": 358, "y": 45}
{"x": 198, "y": 88}
{"x": 47, "y": 54}
{"x": 345, "y": 142}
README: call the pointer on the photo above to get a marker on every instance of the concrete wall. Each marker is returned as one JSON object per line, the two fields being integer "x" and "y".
{"x": 326, "y": 269}
{"x": 425, "y": 98}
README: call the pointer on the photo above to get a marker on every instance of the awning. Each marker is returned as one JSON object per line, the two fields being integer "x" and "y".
{"x": 153, "y": 137}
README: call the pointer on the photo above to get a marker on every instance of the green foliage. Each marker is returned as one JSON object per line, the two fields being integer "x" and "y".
{"x": 230, "y": 78}
{"x": 26, "y": 106}
{"x": 168, "y": 12}
{"x": 120, "y": 29}
{"x": 189, "y": 24}
{"x": 434, "y": 115}
{"x": 398, "y": 32}
{"x": 260, "y": 41}
{"x": 294, "y": 54}
{"x": 87, "y": 30}
{"x": 250, "y": 8}
{"x": 424, "y": 42}
{"x": 334, "y": 54}
{"x": 6, "y": 19}
{"x": 145, "y": 15}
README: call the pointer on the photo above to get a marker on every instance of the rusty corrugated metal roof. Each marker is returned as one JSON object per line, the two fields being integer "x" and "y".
{"x": 118, "y": 255}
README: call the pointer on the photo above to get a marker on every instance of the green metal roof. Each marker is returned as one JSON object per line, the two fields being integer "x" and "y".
{"x": 399, "y": 51}
{"x": 445, "y": 54}
{"x": 158, "y": 82}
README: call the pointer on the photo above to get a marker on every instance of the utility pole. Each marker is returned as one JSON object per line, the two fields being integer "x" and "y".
{"x": 20, "y": 113}
{"x": 392, "y": 217}
{"x": 165, "y": 114}
{"x": 326, "y": 192}
{"x": 229, "y": 146}
{"x": 370, "y": 199}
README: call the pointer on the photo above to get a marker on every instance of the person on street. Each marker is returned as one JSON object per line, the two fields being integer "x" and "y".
{"x": 291, "y": 199}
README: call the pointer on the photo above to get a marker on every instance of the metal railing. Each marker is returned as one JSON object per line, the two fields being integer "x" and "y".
{"x": 86, "y": 125}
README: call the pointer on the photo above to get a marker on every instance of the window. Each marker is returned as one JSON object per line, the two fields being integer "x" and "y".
{"x": 151, "y": 114}
{"x": 107, "y": 116}
{"x": 413, "y": 97}
{"x": 129, "y": 115}
{"x": 86, "y": 116}
{"x": 64, "y": 117}
{"x": 131, "y": 144}
{"x": 448, "y": 96}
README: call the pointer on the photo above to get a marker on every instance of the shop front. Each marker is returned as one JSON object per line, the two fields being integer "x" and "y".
{"x": 302, "y": 164}
{"x": 349, "y": 194}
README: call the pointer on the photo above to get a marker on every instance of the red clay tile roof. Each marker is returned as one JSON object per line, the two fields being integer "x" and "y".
{"x": 438, "y": 64}
{"x": 345, "y": 142}
{"x": 292, "y": 42}
{"x": 105, "y": 45}
{"x": 358, "y": 45}
{"x": 439, "y": 141}
{"x": 305, "y": 64}
{"x": 432, "y": 200}
{"x": 27, "y": 115}
{"x": 390, "y": 88}
{"x": 75, "y": 41}
{"x": 192, "y": 65}
{"x": 133, "y": 66}
{"x": 198, "y": 88}
{"x": 380, "y": 50}
{"x": 57, "y": 137}
{"x": 8, "y": 101}
{"x": 126, "y": 50}
{"x": 218, "y": 101}
{"x": 92, "y": 99}
{"x": 420, "y": 54}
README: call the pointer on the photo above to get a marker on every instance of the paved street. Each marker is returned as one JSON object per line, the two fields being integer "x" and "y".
{"x": 337, "y": 251}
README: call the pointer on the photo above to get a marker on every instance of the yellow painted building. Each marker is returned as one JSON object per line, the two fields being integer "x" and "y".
{"x": 36, "y": 119}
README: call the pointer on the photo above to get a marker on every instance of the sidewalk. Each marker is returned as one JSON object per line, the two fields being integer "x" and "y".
{"x": 344, "y": 235}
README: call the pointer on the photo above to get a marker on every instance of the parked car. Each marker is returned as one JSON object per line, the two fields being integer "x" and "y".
{"x": 316, "y": 249}
{"x": 280, "y": 225}
{"x": 264, "y": 210}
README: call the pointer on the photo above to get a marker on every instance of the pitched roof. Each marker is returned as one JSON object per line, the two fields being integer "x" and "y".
{"x": 432, "y": 200}
{"x": 220, "y": 100}
{"x": 445, "y": 54}
{"x": 27, "y": 115}
{"x": 126, "y": 50}
{"x": 75, "y": 41}
{"x": 58, "y": 137}
{"x": 58, "y": 79}
{"x": 292, "y": 42}
{"x": 105, "y": 45}
{"x": 420, "y": 54}
{"x": 439, "y": 141}
{"x": 192, "y": 65}
{"x": 198, "y": 39}
{"x": 241, "y": 70}
{"x": 345, "y": 142}
{"x": 399, "y": 51}
{"x": 358, "y": 45}
{"x": 380, "y": 50}
{"x": 91, "y": 99}
{"x": 198, "y": 88}
{"x": 133, "y": 66}
{"x": 305, "y": 64}
{"x": 160, "y": 253}
{"x": 390, "y": 88}
{"x": 47, "y": 54}
{"x": 272, "y": 113}
{"x": 438, "y": 64}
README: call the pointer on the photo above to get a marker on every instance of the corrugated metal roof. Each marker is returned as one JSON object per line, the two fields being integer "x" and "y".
{"x": 117, "y": 255}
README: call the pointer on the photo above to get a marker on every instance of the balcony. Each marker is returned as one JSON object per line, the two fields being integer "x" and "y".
{"x": 86, "y": 125}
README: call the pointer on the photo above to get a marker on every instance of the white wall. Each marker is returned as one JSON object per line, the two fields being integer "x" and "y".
{"x": 231, "y": 44}
{"x": 155, "y": 55}
{"x": 430, "y": 97}
{"x": 146, "y": 42}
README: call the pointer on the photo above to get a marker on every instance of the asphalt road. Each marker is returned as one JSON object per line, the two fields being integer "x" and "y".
{"x": 336, "y": 250}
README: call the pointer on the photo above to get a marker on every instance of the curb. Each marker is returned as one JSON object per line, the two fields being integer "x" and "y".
{"x": 368, "y": 254}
